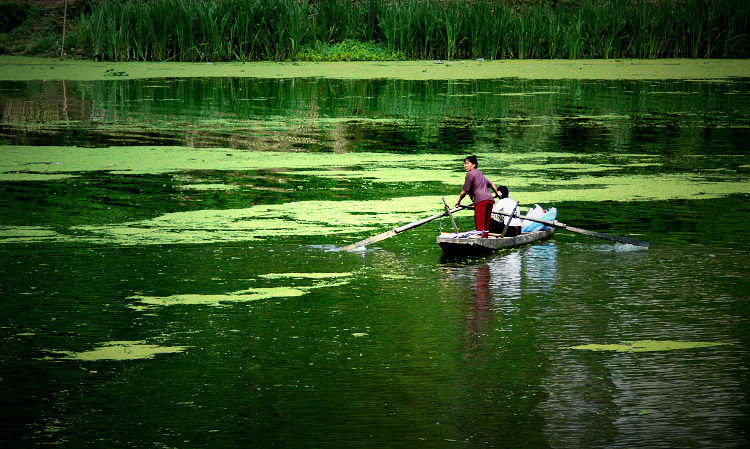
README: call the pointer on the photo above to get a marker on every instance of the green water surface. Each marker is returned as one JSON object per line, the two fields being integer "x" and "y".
{"x": 171, "y": 274}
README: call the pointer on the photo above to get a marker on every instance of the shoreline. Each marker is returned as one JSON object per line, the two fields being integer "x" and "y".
{"x": 22, "y": 68}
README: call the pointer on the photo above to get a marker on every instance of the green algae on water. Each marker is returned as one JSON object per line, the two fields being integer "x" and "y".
{"x": 305, "y": 275}
{"x": 208, "y": 187}
{"x": 320, "y": 280}
{"x": 25, "y": 176}
{"x": 29, "y": 234}
{"x": 18, "y": 68}
{"x": 347, "y": 217}
{"x": 586, "y": 180}
{"x": 251, "y": 294}
{"x": 34, "y": 161}
{"x": 123, "y": 350}
{"x": 647, "y": 346}
{"x": 262, "y": 222}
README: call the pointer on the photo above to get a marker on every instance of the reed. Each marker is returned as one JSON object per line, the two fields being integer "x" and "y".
{"x": 213, "y": 30}
{"x": 336, "y": 20}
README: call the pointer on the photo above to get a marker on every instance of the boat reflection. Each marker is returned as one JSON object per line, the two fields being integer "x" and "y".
{"x": 505, "y": 278}
{"x": 499, "y": 285}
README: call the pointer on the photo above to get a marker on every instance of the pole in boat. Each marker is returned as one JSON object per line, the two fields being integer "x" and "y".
{"x": 600, "y": 235}
{"x": 512, "y": 214}
{"x": 450, "y": 214}
{"x": 399, "y": 230}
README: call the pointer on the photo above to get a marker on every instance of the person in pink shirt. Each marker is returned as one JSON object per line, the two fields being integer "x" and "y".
{"x": 478, "y": 187}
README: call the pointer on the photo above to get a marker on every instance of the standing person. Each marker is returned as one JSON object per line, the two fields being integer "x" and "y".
{"x": 478, "y": 187}
{"x": 507, "y": 205}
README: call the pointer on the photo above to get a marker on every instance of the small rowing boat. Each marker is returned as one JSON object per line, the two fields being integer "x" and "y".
{"x": 533, "y": 227}
{"x": 471, "y": 243}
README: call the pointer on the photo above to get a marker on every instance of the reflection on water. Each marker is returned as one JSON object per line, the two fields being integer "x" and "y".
{"x": 382, "y": 115}
{"x": 498, "y": 286}
{"x": 622, "y": 399}
{"x": 540, "y": 263}
{"x": 505, "y": 277}
{"x": 523, "y": 306}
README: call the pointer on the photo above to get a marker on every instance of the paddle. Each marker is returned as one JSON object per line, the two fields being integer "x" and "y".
{"x": 601, "y": 235}
{"x": 399, "y": 230}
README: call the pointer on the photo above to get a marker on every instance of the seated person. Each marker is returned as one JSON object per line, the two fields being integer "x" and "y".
{"x": 509, "y": 206}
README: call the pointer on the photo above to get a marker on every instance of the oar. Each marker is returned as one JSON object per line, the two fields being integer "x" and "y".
{"x": 601, "y": 235}
{"x": 399, "y": 230}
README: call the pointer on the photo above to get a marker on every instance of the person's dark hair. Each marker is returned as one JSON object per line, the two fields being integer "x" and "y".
{"x": 472, "y": 159}
{"x": 503, "y": 191}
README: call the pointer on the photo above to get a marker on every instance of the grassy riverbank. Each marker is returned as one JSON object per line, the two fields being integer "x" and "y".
{"x": 242, "y": 30}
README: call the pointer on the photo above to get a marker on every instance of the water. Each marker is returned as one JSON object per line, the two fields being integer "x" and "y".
{"x": 170, "y": 274}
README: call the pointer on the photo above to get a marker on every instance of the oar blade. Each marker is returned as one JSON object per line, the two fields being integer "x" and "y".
{"x": 367, "y": 241}
{"x": 601, "y": 235}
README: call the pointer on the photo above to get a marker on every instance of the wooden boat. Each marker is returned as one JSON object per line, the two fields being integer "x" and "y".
{"x": 469, "y": 243}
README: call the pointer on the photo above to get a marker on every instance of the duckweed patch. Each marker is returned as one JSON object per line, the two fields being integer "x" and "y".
{"x": 319, "y": 280}
{"x": 348, "y": 217}
{"x": 155, "y": 160}
{"x": 647, "y": 346}
{"x": 29, "y": 234}
{"x": 604, "y": 182}
{"x": 17, "y": 68}
{"x": 26, "y": 176}
{"x": 305, "y": 275}
{"x": 123, "y": 350}
{"x": 216, "y": 300}
{"x": 209, "y": 187}
{"x": 304, "y": 218}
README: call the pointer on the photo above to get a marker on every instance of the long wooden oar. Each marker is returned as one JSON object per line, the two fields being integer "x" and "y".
{"x": 399, "y": 230}
{"x": 601, "y": 235}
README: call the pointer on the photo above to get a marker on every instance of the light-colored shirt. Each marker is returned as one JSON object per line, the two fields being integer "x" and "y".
{"x": 507, "y": 205}
{"x": 477, "y": 186}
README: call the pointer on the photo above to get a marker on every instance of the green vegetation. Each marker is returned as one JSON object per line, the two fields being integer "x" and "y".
{"x": 12, "y": 15}
{"x": 349, "y": 50}
{"x": 423, "y": 29}
{"x": 25, "y": 29}
{"x": 35, "y": 27}
{"x": 186, "y": 30}
{"x": 241, "y": 30}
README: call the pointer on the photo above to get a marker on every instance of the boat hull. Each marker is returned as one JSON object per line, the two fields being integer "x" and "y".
{"x": 452, "y": 245}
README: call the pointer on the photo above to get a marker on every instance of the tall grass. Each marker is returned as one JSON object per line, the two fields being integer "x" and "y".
{"x": 194, "y": 30}
{"x": 214, "y": 30}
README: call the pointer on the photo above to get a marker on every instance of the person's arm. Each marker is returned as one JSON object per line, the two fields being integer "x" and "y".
{"x": 497, "y": 194}
{"x": 461, "y": 197}
{"x": 467, "y": 186}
